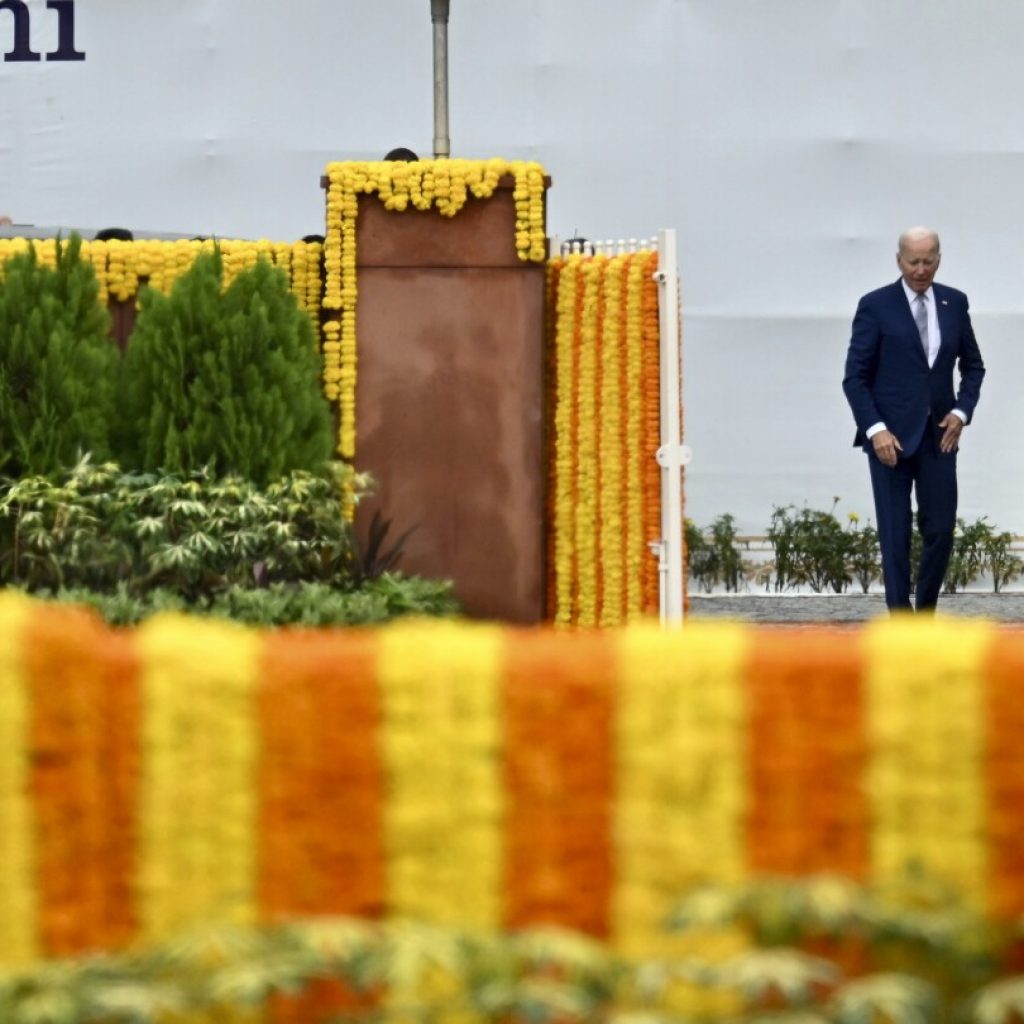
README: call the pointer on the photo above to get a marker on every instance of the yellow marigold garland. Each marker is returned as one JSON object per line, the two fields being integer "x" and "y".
{"x": 563, "y": 527}
{"x": 199, "y": 806}
{"x": 612, "y": 488}
{"x": 440, "y": 690}
{"x": 926, "y": 732}
{"x": 680, "y": 744}
{"x": 604, "y": 408}
{"x": 19, "y": 942}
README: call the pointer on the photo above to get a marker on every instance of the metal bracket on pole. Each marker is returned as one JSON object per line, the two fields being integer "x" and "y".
{"x": 674, "y": 456}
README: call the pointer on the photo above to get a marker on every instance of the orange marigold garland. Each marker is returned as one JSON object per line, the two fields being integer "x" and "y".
{"x": 558, "y": 709}
{"x": 554, "y": 270}
{"x": 651, "y": 392}
{"x": 85, "y": 781}
{"x": 586, "y": 509}
{"x": 808, "y": 747}
{"x": 636, "y": 553}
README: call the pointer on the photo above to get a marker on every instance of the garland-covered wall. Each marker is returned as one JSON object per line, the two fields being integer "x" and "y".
{"x": 469, "y": 773}
{"x": 605, "y": 485}
{"x": 122, "y": 266}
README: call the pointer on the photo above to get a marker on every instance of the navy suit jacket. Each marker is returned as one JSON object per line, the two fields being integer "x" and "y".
{"x": 887, "y": 376}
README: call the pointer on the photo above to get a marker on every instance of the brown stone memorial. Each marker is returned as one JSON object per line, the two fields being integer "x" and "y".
{"x": 450, "y": 398}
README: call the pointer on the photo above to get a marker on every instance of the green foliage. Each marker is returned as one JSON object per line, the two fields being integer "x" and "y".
{"x": 978, "y": 548}
{"x": 99, "y": 528}
{"x": 57, "y": 364}
{"x": 921, "y": 952}
{"x": 1002, "y": 564}
{"x": 810, "y": 549}
{"x": 967, "y": 561}
{"x": 227, "y": 379}
{"x": 369, "y": 602}
{"x": 920, "y": 962}
{"x": 701, "y": 559}
{"x": 723, "y": 542}
{"x": 713, "y": 557}
{"x": 863, "y": 554}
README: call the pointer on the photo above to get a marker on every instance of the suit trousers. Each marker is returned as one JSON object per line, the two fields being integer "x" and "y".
{"x": 931, "y": 474}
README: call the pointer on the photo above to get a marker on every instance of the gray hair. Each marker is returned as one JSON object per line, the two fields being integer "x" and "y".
{"x": 918, "y": 234}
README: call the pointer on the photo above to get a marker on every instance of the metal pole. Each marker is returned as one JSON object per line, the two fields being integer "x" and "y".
{"x": 673, "y": 455}
{"x": 439, "y": 17}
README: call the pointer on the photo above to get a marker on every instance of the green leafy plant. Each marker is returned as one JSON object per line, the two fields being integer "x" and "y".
{"x": 729, "y": 559}
{"x": 863, "y": 554}
{"x": 967, "y": 561}
{"x": 712, "y": 555}
{"x": 701, "y": 557}
{"x": 389, "y": 596}
{"x": 810, "y": 549}
{"x": 57, "y": 364}
{"x": 97, "y": 527}
{"x": 1000, "y": 561}
{"x": 224, "y": 378}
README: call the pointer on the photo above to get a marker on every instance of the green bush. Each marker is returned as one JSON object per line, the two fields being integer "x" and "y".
{"x": 57, "y": 364}
{"x": 131, "y": 545}
{"x": 99, "y": 528}
{"x": 226, "y": 379}
{"x": 370, "y": 602}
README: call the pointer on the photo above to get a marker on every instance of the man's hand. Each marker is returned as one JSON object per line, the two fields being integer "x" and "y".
{"x": 886, "y": 446}
{"x": 951, "y": 426}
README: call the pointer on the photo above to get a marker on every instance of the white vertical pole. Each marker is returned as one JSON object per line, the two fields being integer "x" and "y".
{"x": 672, "y": 456}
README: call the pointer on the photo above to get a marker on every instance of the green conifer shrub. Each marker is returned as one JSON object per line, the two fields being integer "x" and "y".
{"x": 58, "y": 367}
{"x": 224, "y": 378}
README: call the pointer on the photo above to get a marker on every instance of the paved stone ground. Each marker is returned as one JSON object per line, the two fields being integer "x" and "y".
{"x": 836, "y": 608}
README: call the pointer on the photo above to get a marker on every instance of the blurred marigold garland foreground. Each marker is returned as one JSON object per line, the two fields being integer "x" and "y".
{"x": 189, "y": 770}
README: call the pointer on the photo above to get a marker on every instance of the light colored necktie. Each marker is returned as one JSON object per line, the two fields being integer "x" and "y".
{"x": 921, "y": 316}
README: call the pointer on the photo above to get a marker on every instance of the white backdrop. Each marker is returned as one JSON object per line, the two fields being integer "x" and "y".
{"x": 788, "y": 142}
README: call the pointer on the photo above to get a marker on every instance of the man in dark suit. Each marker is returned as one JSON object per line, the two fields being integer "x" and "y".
{"x": 907, "y": 339}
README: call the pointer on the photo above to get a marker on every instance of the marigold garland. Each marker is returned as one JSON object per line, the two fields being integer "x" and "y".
{"x": 587, "y": 508}
{"x": 558, "y": 709}
{"x": 636, "y": 552}
{"x": 198, "y": 801}
{"x": 605, "y": 410}
{"x": 808, "y": 747}
{"x": 650, "y": 390}
{"x": 85, "y": 780}
{"x": 441, "y": 728}
{"x": 320, "y": 719}
{"x": 19, "y": 939}
{"x": 611, "y": 478}
{"x": 925, "y": 722}
{"x": 1004, "y": 775}
{"x": 599, "y": 773}
{"x": 563, "y": 460}
{"x": 680, "y": 746}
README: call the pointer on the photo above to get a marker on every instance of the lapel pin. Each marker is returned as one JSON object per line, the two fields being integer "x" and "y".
{"x": 944, "y": 302}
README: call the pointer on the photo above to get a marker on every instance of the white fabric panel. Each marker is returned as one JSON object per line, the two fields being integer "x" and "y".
{"x": 788, "y": 142}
